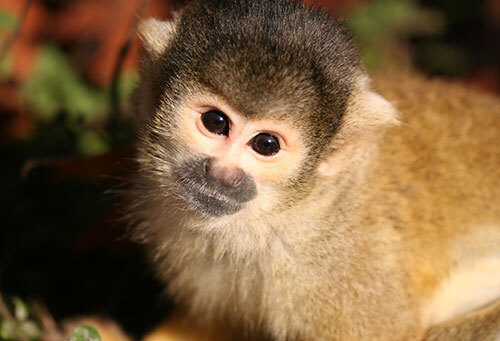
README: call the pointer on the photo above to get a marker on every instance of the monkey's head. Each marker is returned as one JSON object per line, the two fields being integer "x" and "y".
{"x": 244, "y": 102}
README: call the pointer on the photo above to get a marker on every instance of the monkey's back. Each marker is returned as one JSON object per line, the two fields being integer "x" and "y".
{"x": 439, "y": 174}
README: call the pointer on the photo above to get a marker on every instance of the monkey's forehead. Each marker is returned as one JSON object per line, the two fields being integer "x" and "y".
{"x": 271, "y": 38}
{"x": 260, "y": 54}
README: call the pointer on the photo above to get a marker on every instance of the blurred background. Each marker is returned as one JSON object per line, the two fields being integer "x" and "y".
{"x": 66, "y": 140}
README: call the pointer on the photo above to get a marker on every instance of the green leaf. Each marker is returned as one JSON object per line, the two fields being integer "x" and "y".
{"x": 85, "y": 333}
{"x": 20, "y": 309}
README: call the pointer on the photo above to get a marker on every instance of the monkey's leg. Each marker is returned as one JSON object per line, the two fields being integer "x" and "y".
{"x": 479, "y": 325}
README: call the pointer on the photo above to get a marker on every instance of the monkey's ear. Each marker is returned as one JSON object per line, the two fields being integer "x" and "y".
{"x": 368, "y": 113}
{"x": 156, "y": 35}
{"x": 367, "y": 116}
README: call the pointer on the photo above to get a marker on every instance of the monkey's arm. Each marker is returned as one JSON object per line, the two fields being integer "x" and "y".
{"x": 482, "y": 324}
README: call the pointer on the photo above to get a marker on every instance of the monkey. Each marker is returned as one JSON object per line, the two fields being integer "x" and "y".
{"x": 283, "y": 193}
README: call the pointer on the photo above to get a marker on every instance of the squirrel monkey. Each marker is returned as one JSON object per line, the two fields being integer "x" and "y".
{"x": 284, "y": 193}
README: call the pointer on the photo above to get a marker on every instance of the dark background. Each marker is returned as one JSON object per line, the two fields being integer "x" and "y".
{"x": 66, "y": 140}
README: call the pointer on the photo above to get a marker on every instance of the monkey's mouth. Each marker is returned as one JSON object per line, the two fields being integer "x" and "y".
{"x": 208, "y": 202}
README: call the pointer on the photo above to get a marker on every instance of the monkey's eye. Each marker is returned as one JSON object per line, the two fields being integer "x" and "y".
{"x": 265, "y": 144}
{"x": 216, "y": 122}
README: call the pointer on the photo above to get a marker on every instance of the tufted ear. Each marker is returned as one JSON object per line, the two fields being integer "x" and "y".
{"x": 368, "y": 113}
{"x": 156, "y": 35}
{"x": 367, "y": 116}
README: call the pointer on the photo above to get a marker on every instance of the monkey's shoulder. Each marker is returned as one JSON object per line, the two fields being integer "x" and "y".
{"x": 437, "y": 172}
{"x": 432, "y": 102}
{"x": 447, "y": 129}
{"x": 446, "y": 148}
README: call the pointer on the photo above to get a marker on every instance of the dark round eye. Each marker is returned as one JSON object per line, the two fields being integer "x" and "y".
{"x": 216, "y": 122}
{"x": 265, "y": 144}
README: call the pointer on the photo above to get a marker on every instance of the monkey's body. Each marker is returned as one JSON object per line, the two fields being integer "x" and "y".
{"x": 425, "y": 207}
{"x": 435, "y": 182}
{"x": 359, "y": 234}
{"x": 439, "y": 175}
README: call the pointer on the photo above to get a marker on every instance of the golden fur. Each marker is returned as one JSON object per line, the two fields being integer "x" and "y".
{"x": 428, "y": 196}
{"x": 394, "y": 232}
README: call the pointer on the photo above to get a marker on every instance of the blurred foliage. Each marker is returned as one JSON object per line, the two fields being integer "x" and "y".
{"x": 56, "y": 90}
{"x": 444, "y": 58}
{"x": 18, "y": 326}
{"x": 7, "y": 20}
{"x": 55, "y": 87}
{"x": 21, "y": 325}
{"x": 85, "y": 333}
{"x": 57, "y": 226}
{"x": 380, "y": 25}
{"x": 5, "y": 68}
{"x": 54, "y": 224}
{"x": 470, "y": 42}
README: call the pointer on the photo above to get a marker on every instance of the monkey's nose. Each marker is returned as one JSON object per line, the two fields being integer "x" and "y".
{"x": 226, "y": 176}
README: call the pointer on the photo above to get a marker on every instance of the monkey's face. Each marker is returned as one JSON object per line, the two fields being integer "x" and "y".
{"x": 220, "y": 162}
{"x": 240, "y": 106}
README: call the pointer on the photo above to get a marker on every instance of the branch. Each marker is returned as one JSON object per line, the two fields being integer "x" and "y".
{"x": 10, "y": 40}
{"x": 51, "y": 329}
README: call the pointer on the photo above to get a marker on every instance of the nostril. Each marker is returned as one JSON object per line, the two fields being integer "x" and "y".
{"x": 206, "y": 166}
{"x": 237, "y": 180}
